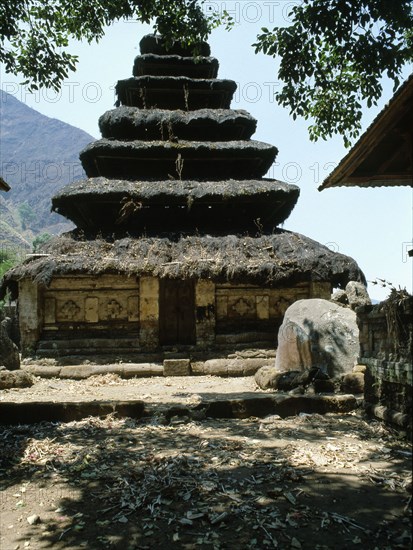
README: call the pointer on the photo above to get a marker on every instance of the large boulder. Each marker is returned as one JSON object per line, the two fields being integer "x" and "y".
{"x": 9, "y": 353}
{"x": 318, "y": 334}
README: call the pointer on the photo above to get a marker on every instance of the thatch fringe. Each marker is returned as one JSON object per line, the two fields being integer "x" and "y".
{"x": 279, "y": 259}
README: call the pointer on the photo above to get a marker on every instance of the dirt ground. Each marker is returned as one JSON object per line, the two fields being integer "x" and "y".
{"x": 176, "y": 390}
{"x": 310, "y": 482}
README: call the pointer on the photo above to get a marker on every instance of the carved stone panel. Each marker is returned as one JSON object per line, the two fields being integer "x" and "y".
{"x": 70, "y": 310}
{"x": 113, "y": 309}
{"x": 251, "y": 303}
{"x": 99, "y": 301}
{"x": 241, "y": 307}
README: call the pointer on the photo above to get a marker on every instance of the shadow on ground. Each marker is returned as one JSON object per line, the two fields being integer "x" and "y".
{"x": 308, "y": 482}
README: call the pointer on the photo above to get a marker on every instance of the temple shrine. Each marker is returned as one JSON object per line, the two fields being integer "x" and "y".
{"x": 177, "y": 246}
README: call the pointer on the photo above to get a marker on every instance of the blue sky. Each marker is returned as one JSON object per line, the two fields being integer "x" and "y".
{"x": 374, "y": 226}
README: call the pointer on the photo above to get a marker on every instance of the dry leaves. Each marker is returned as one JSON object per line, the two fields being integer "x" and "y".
{"x": 186, "y": 484}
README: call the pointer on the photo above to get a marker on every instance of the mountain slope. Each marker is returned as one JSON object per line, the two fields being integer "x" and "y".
{"x": 38, "y": 156}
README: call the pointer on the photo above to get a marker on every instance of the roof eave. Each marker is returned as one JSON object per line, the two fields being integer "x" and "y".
{"x": 341, "y": 175}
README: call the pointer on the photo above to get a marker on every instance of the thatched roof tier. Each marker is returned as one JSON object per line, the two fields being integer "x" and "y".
{"x": 188, "y": 206}
{"x": 152, "y": 43}
{"x": 215, "y": 160}
{"x": 173, "y": 92}
{"x": 129, "y": 123}
{"x": 175, "y": 65}
{"x": 281, "y": 259}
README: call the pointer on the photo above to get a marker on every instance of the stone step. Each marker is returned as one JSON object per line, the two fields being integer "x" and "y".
{"x": 256, "y": 405}
{"x": 154, "y": 44}
{"x": 175, "y": 65}
{"x": 165, "y": 160}
{"x": 130, "y": 123}
{"x": 171, "y": 92}
{"x": 88, "y": 343}
{"x": 187, "y": 206}
{"x": 90, "y": 352}
{"x": 255, "y": 339}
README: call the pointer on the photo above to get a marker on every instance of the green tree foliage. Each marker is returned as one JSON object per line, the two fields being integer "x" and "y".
{"x": 35, "y": 34}
{"x": 7, "y": 261}
{"x": 333, "y": 57}
{"x": 27, "y": 214}
{"x": 40, "y": 240}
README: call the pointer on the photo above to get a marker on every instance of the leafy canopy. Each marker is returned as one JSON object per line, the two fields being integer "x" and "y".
{"x": 7, "y": 261}
{"x": 333, "y": 58}
{"x": 35, "y": 34}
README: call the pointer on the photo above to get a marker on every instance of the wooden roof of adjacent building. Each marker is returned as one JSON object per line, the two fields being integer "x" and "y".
{"x": 383, "y": 156}
{"x": 3, "y": 185}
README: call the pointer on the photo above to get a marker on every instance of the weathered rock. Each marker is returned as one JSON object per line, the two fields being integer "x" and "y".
{"x": 318, "y": 333}
{"x": 270, "y": 377}
{"x": 340, "y": 297}
{"x": 360, "y": 368}
{"x": 32, "y": 520}
{"x": 353, "y": 382}
{"x": 15, "y": 379}
{"x": 357, "y": 295}
{"x": 9, "y": 353}
{"x": 267, "y": 377}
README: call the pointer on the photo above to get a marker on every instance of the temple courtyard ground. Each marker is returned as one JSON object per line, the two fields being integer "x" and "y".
{"x": 176, "y": 477}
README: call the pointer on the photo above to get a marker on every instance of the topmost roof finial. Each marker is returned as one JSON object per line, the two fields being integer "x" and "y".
{"x": 154, "y": 44}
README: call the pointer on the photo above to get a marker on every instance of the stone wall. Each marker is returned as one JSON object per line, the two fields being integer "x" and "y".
{"x": 385, "y": 350}
{"x": 246, "y": 313}
{"x": 117, "y": 314}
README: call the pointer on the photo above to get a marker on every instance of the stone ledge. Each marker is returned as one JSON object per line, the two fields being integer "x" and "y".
{"x": 176, "y": 367}
{"x": 80, "y": 372}
{"x": 283, "y": 405}
{"x": 30, "y": 413}
{"x": 390, "y": 416}
{"x": 229, "y": 367}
